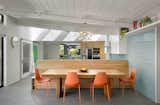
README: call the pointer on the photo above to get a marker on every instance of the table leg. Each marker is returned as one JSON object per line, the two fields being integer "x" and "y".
{"x": 108, "y": 90}
{"x": 33, "y": 86}
{"x": 117, "y": 83}
{"x": 59, "y": 91}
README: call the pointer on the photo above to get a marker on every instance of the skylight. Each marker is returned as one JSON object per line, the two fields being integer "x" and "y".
{"x": 72, "y": 36}
{"x": 52, "y": 35}
{"x": 34, "y": 33}
{"x": 92, "y": 37}
{"x": 38, "y": 34}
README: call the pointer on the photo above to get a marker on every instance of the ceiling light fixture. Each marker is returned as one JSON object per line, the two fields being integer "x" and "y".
{"x": 85, "y": 33}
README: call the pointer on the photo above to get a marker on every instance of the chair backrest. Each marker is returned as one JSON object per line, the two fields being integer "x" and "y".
{"x": 37, "y": 74}
{"x": 133, "y": 74}
{"x": 100, "y": 79}
{"x": 72, "y": 79}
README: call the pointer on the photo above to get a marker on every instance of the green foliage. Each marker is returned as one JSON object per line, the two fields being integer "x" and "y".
{"x": 61, "y": 50}
{"x": 35, "y": 53}
{"x": 146, "y": 20}
{"x": 73, "y": 51}
{"x": 123, "y": 30}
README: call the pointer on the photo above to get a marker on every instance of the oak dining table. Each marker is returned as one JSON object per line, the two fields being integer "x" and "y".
{"x": 60, "y": 74}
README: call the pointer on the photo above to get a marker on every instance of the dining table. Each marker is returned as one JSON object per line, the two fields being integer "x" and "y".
{"x": 60, "y": 74}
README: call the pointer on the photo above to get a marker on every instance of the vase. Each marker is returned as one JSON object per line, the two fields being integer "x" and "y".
{"x": 135, "y": 24}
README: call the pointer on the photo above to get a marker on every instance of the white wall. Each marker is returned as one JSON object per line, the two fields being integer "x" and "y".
{"x": 13, "y": 54}
{"x": 51, "y": 51}
{"x": 114, "y": 43}
{"x": 123, "y": 46}
{"x": 118, "y": 46}
{"x": 40, "y": 50}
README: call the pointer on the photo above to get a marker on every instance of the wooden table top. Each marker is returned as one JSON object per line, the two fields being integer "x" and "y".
{"x": 89, "y": 74}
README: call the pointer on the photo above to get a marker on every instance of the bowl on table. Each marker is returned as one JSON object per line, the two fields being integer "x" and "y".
{"x": 83, "y": 70}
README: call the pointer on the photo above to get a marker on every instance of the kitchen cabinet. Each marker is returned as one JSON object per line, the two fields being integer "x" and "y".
{"x": 93, "y": 49}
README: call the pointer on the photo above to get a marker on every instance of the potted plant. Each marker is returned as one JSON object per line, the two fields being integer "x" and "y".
{"x": 146, "y": 20}
{"x": 123, "y": 30}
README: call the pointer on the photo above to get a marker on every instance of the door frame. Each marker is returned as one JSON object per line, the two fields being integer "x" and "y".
{"x": 3, "y": 61}
{"x": 157, "y": 65}
{"x": 3, "y": 39}
{"x": 21, "y": 58}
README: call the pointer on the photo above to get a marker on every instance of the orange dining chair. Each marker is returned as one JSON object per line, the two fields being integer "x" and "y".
{"x": 70, "y": 82}
{"x": 102, "y": 81}
{"x": 41, "y": 80}
{"x": 129, "y": 80}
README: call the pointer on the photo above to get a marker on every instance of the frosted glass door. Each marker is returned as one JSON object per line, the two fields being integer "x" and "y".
{"x": 141, "y": 54}
{"x": 26, "y": 57}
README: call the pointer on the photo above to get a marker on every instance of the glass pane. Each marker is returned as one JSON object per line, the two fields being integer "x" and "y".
{"x": 26, "y": 57}
{"x": 35, "y": 53}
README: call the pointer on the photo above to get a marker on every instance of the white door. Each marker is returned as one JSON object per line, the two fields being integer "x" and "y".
{"x": 26, "y": 58}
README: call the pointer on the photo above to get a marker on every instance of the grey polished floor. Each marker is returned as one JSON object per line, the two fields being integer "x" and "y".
{"x": 20, "y": 94}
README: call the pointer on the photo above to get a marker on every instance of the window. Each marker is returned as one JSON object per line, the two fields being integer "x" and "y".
{"x": 114, "y": 39}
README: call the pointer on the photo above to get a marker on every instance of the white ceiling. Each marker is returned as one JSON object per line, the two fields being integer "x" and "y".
{"x": 99, "y": 14}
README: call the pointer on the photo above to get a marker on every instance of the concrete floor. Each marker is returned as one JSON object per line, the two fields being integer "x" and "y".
{"x": 20, "y": 94}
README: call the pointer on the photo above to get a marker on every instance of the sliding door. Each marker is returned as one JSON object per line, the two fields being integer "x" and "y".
{"x": 26, "y": 58}
{"x": 158, "y": 64}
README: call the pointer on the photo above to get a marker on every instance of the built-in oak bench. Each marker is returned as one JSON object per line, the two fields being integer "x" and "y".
{"x": 121, "y": 65}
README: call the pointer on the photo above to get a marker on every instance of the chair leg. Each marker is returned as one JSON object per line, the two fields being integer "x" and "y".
{"x": 91, "y": 90}
{"x": 49, "y": 85}
{"x": 79, "y": 92}
{"x": 64, "y": 94}
{"x": 122, "y": 88}
{"x": 35, "y": 89}
{"x": 119, "y": 84}
{"x": 47, "y": 89}
{"x": 108, "y": 93}
{"x": 93, "y": 93}
{"x": 110, "y": 90}
{"x": 133, "y": 87}
{"x": 104, "y": 90}
{"x": 39, "y": 86}
{"x": 33, "y": 92}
